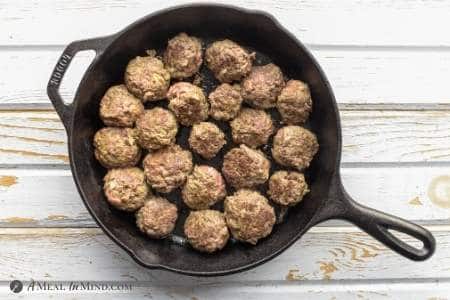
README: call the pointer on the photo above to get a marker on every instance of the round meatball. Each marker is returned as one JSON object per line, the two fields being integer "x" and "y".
{"x": 244, "y": 167}
{"x": 116, "y": 147}
{"x": 147, "y": 79}
{"x": 157, "y": 217}
{"x": 206, "y": 230}
{"x": 294, "y": 146}
{"x": 204, "y": 187}
{"x": 294, "y": 103}
{"x": 167, "y": 168}
{"x": 249, "y": 216}
{"x": 262, "y": 86}
{"x": 228, "y": 61}
{"x": 183, "y": 56}
{"x": 156, "y": 128}
{"x": 188, "y": 103}
{"x": 252, "y": 127}
{"x": 225, "y": 102}
{"x": 125, "y": 188}
{"x": 287, "y": 188}
{"x": 206, "y": 139}
{"x": 120, "y": 108}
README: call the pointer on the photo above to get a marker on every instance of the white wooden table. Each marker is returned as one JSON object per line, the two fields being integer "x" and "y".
{"x": 389, "y": 64}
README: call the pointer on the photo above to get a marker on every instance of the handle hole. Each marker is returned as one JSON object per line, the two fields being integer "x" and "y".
{"x": 407, "y": 239}
{"x": 78, "y": 66}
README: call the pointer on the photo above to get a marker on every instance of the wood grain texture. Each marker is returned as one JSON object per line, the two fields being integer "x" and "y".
{"x": 358, "y": 76}
{"x": 48, "y": 198}
{"x": 37, "y": 137}
{"x": 352, "y": 22}
{"x": 368, "y": 137}
{"x": 395, "y": 136}
{"x": 359, "y": 290}
{"x": 26, "y": 73}
{"x": 87, "y": 254}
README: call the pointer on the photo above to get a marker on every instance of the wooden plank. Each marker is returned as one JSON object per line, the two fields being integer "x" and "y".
{"x": 334, "y": 254}
{"x": 38, "y": 137}
{"x": 268, "y": 290}
{"x": 23, "y": 193}
{"x": 347, "y": 23}
{"x": 395, "y": 136}
{"x": 402, "y": 191}
{"x": 26, "y": 73}
{"x": 358, "y": 76}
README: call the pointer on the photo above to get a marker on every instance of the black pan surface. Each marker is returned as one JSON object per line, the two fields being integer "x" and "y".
{"x": 257, "y": 32}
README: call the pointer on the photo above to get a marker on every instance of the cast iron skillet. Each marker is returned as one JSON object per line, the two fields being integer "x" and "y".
{"x": 255, "y": 30}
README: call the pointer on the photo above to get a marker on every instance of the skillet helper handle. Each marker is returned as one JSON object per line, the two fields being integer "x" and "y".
{"x": 65, "y": 111}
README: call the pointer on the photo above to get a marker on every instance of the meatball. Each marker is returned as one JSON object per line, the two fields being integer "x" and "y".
{"x": 147, "y": 79}
{"x": 206, "y": 230}
{"x": 204, "y": 187}
{"x": 294, "y": 103}
{"x": 125, "y": 188}
{"x": 249, "y": 216}
{"x": 116, "y": 147}
{"x": 183, "y": 56}
{"x": 167, "y": 168}
{"x": 206, "y": 139}
{"x": 225, "y": 102}
{"x": 156, "y": 128}
{"x": 188, "y": 103}
{"x": 157, "y": 217}
{"x": 244, "y": 167}
{"x": 120, "y": 108}
{"x": 287, "y": 188}
{"x": 262, "y": 86}
{"x": 228, "y": 61}
{"x": 252, "y": 127}
{"x": 294, "y": 146}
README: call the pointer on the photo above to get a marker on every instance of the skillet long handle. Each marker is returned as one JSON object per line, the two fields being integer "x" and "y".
{"x": 378, "y": 224}
{"x": 64, "y": 110}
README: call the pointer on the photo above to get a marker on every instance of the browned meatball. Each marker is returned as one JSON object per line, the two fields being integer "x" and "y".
{"x": 294, "y": 103}
{"x": 167, "y": 168}
{"x": 156, "y": 128}
{"x": 225, "y": 102}
{"x": 183, "y": 56}
{"x": 287, "y": 188}
{"x": 204, "y": 187}
{"x": 157, "y": 217}
{"x": 244, "y": 167}
{"x": 119, "y": 108}
{"x": 206, "y": 230}
{"x": 125, "y": 188}
{"x": 116, "y": 147}
{"x": 228, "y": 61}
{"x": 147, "y": 79}
{"x": 294, "y": 146}
{"x": 252, "y": 127}
{"x": 206, "y": 139}
{"x": 249, "y": 216}
{"x": 262, "y": 86}
{"x": 188, "y": 103}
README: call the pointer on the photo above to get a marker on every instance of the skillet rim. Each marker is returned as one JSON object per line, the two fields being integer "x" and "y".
{"x": 315, "y": 217}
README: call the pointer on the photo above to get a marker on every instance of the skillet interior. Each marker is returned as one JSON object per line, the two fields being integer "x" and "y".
{"x": 255, "y": 31}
